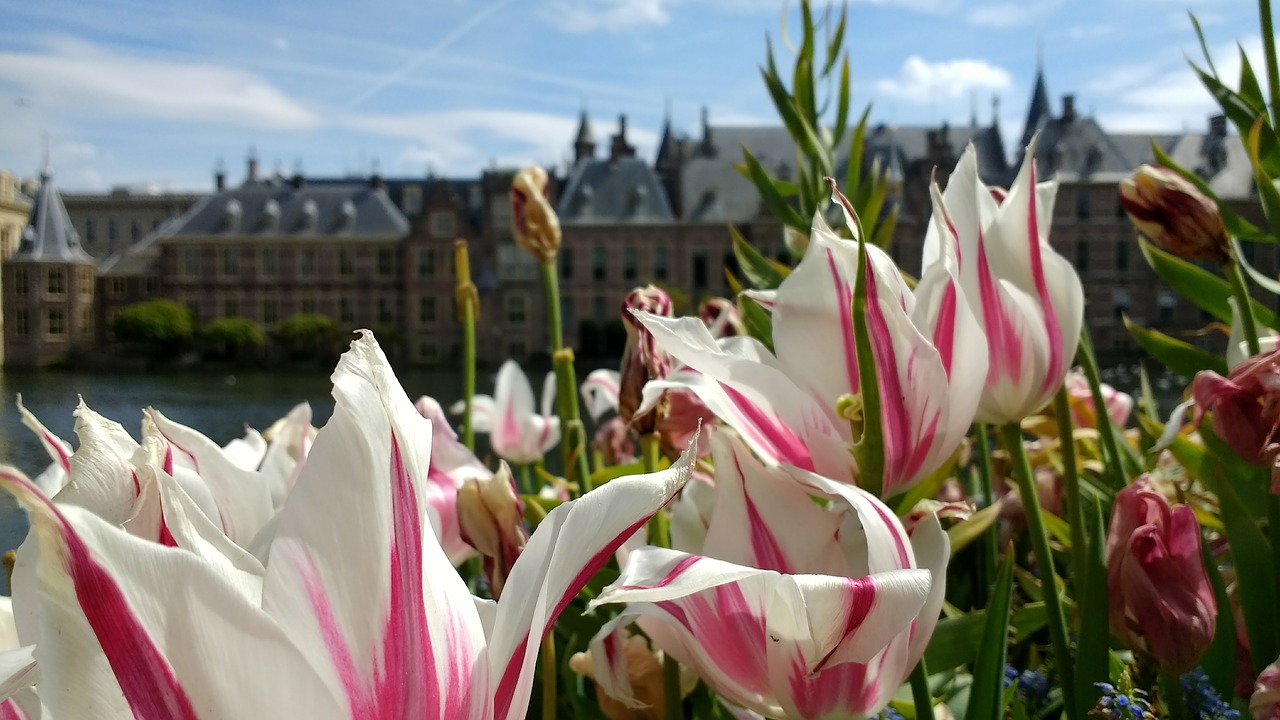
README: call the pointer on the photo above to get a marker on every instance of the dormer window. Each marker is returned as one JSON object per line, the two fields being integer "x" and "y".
{"x": 231, "y": 214}
{"x": 309, "y": 219}
{"x": 271, "y": 216}
{"x": 348, "y": 214}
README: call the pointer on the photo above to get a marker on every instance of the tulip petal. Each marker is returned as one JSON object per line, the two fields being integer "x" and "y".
{"x": 600, "y": 392}
{"x": 58, "y": 450}
{"x": 573, "y": 542}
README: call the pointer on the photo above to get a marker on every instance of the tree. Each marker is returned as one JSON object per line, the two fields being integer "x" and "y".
{"x": 307, "y": 336}
{"x": 232, "y": 337}
{"x": 160, "y": 328}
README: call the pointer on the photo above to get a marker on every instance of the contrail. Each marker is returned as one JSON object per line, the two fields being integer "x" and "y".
{"x": 431, "y": 52}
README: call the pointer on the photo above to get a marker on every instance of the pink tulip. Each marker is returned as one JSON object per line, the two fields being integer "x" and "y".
{"x": 721, "y": 317}
{"x": 452, "y": 465}
{"x": 1160, "y": 599}
{"x": 517, "y": 433}
{"x": 1264, "y": 704}
{"x": 357, "y": 614}
{"x": 642, "y": 361}
{"x": 1246, "y": 409}
{"x": 613, "y": 442}
{"x": 930, "y": 362}
{"x": 491, "y": 518}
{"x": 791, "y": 610}
{"x": 1027, "y": 298}
{"x": 1080, "y": 397}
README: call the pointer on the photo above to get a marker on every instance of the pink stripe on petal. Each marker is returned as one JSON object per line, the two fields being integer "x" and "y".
{"x": 1003, "y": 342}
{"x": 768, "y": 431}
{"x": 9, "y": 710}
{"x": 680, "y": 569}
{"x": 1057, "y": 361}
{"x": 944, "y": 333}
{"x": 844, "y": 304}
{"x": 767, "y": 552}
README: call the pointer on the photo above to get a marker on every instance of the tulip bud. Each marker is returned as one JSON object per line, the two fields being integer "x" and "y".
{"x": 721, "y": 318}
{"x": 1161, "y": 603}
{"x": 1265, "y": 702}
{"x": 644, "y": 679}
{"x": 534, "y": 222}
{"x": 641, "y": 360}
{"x": 1246, "y": 409}
{"x": 1174, "y": 214}
{"x": 1080, "y": 399}
{"x": 613, "y": 442}
{"x": 491, "y": 519}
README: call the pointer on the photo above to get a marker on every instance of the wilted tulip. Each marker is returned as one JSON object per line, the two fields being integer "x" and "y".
{"x": 1246, "y": 409}
{"x": 533, "y": 221}
{"x": 1172, "y": 213}
{"x": 644, "y": 677}
{"x": 613, "y": 442}
{"x": 491, "y": 518}
{"x": 641, "y": 360}
{"x": 1265, "y": 702}
{"x": 721, "y": 317}
{"x": 1161, "y": 603}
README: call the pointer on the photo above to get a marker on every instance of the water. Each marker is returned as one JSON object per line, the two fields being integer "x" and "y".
{"x": 217, "y": 404}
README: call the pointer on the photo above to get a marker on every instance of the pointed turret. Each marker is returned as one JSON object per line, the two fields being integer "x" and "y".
{"x": 49, "y": 236}
{"x": 584, "y": 144}
{"x": 1040, "y": 111}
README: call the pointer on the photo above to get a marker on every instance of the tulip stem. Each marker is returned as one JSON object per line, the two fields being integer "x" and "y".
{"x": 526, "y": 481}
{"x": 1175, "y": 705}
{"x": 1071, "y": 484}
{"x": 920, "y": 694}
{"x": 468, "y": 309}
{"x": 1244, "y": 305}
{"x": 659, "y": 524}
{"x": 671, "y": 688}
{"x": 576, "y": 463}
{"x": 1269, "y": 50}
{"x": 549, "y": 676}
{"x": 990, "y": 540}
{"x": 1012, "y": 435}
{"x": 1114, "y": 469}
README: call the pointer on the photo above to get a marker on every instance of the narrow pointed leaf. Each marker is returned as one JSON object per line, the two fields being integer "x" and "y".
{"x": 758, "y": 270}
{"x": 1092, "y": 655}
{"x": 1219, "y": 660}
{"x": 1175, "y": 355}
{"x": 758, "y": 322}
{"x": 769, "y": 195}
{"x": 986, "y": 696}
{"x": 1208, "y": 291}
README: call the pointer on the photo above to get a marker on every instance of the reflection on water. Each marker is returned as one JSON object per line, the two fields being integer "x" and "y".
{"x": 217, "y": 404}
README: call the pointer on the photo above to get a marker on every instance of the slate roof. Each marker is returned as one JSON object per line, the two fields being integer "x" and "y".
{"x": 1039, "y": 111}
{"x": 49, "y": 236}
{"x": 608, "y": 191}
{"x": 350, "y": 211}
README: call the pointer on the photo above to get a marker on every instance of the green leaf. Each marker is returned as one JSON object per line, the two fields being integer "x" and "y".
{"x": 1267, "y": 282}
{"x": 1250, "y": 91}
{"x": 762, "y": 274}
{"x": 1179, "y": 357}
{"x": 986, "y": 696}
{"x": 1092, "y": 656}
{"x": 1219, "y": 660}
{"x": 1243, "y": 116}
{"x": 965, "y": 532}
{"x": 834, "y": 43}
{"x": 955, "y": 640}
{"x": 1206, "y": 290}
{"x": 868, "y": 450}
{"x": 842, "y": 103}
{"x": 758, "y": 322}
{"x": 1204, "y": 47}
{"x": 800, "y": 130}
{"x": 769, "y": 194}
{"x": 853, "y": 170}
{"x": 1262, "y": 176}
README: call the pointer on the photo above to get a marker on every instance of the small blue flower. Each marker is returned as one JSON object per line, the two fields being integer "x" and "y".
{"x": 1203, "y": 700}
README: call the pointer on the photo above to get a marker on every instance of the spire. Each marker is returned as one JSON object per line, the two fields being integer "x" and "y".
{"x": 1039, "y": 111}
{"x": 667, "y": 145}
{"x": 584, "y": 143}
{"x": 49, "y": 236}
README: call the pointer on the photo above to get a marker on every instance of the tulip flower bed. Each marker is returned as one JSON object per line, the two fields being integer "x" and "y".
{"x": 853, "y": 491}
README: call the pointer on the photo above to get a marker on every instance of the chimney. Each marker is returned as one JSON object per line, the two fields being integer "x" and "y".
{"x": 1218, "y": 125}
{"x": 620, "y": 148}
{"x": 251, "y": 172}
{"x": 1068, "y": 108}
{"x": 219, "y": 176}
{"x": 375, "y": 179}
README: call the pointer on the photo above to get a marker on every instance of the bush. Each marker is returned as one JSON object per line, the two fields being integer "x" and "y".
{"x": 231, "y": 337}
{"x": 307, "y": 336}
{"x": 159, "y": 327}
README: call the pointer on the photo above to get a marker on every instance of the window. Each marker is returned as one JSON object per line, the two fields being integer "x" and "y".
{"x": 660, "y": 262}
{"x": 598, "y": 263}
{"x": 411, "y": 200}
{"x": 442, "y": 225}
{"x": 346, "y": 263}
{"x": 308, "y": 306}
{"x": 386, "y": 261}
{"x": 151, "y": 287}
{"x": 56, "y": 322}
{"x": 426, "y": 310}
{"x": 566, "y": 264}
{"x": 230, "y": 262}
{"x": 113, "y": 231}
{"x": 1083, "y": 204}
{"x": 86, "y": 281}
{"x": 566, "y": 313}
{"x": 90, "y": 230}
{"x": 56, "y": 281}
{"x": 700, "y": 269}
{"x": 1122, "y": 255}
{"x": 598, "y": 309}
{"x": 346, "y": 310}
{"x": 21, "y": 323}
{"x": 517, "y": 349}
{"x": 191, "y": 262}
{"x": 629, "y": 271}
{"x": 21, "y": 282}
{"x": 1082, "y": 255}
{"x": 1120, "y": 302}
{"x": 231, "y": 307}
{"x": 115, "y": 287}
{"x": 385, "y": 313}
{"x": 270, "y": 262}
{"x": 428, "y": 352}
{"x": 86, "y": 321}
{"x": 307, "y": 262}
{"x": 270, "y": 311}
{"x": 517, "y": 311}
{"x": 426, "y": 263}
{"x": 135, "y": 231}
{"x": 1168, "y": 304}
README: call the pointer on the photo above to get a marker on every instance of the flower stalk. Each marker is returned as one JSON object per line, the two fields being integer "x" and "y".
{"x": 576, "y": 463}
{"x": 550, "y": 675}
{"x": 920, "y": 695}
{"x": 660, "y": 536}
{"x": 1071, "y": 482}
{"x": 1011, "y": 434}
{"x": 468, "y": 312}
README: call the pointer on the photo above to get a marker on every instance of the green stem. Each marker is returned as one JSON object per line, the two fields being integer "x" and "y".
{"x": 1244, "y": 306}
{"x": 1071, "y": 486}
{"x": 1269, "y": 49}
{"x": 920, "y": 695}
{"x": 576, "y": 463}
{"x": 990, "y": 541}
{"x": 467, "y": 307}
{"x": 550, "y": 675}
{"x": 1171, "y": 698}
{"x": 1012, "y": 436}
{"x": 1114, "y": 467}
{"x": 671, "y": 688}
{"x": 526, "y": 480}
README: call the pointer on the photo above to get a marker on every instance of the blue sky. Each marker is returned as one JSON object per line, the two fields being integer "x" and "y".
{"x": 142, "y": 92}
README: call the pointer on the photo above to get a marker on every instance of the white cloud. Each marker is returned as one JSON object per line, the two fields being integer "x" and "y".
{"x": 1011, "y": 14}
{"x": 581, "y": 16}
{"x": 81, "y": 79}
{"x": 72, "y": 150}
{"x": 921, "y": 81}
{"x": 280, "y": 43}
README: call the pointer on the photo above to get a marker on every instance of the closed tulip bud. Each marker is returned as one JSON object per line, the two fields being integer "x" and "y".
{"x": 491, "y": 518}
{"x": 1265, "y": 702}
{"x": 1161, "y": 603}
{"x": 533, "y": 221}
{"x": 1174, "y": 214}
{"x": 641, "y": 360}
{"x": 1246, "y": 409}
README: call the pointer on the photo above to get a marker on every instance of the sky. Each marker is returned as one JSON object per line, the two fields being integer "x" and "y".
{"x": 145, "y": 93}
